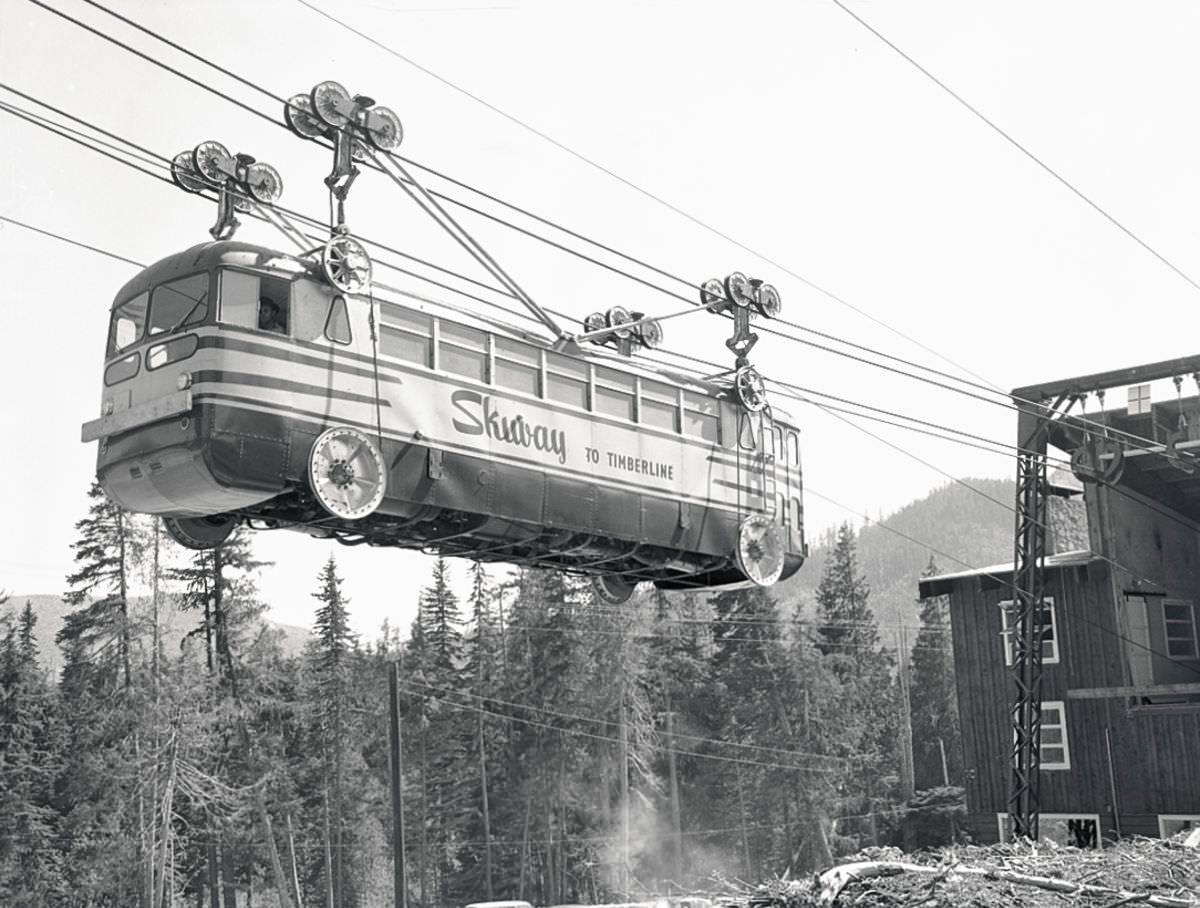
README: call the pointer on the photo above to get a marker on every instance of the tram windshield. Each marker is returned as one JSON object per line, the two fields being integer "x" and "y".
{"x": 169, "y": 307}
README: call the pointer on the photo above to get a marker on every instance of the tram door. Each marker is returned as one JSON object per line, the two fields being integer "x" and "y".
{"x": 757, "y": 452}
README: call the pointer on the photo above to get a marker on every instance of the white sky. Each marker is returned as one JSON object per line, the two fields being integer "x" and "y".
{"x": 785, "y": 125}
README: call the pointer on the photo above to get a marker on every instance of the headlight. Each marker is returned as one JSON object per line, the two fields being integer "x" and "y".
{"x": 184, "y": 381}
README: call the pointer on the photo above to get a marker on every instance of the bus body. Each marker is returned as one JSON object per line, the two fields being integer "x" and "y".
{"x": 492, "y": 444}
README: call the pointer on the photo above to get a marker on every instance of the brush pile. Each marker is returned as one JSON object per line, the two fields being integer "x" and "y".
{"x": 1155, "y": 872}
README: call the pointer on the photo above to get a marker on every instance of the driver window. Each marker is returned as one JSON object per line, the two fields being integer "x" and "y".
{"x": 255, "y": 301}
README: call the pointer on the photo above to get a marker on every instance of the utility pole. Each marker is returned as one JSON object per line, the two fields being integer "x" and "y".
{"x": 395, "y": 763}
{"x": 676, "y": 825}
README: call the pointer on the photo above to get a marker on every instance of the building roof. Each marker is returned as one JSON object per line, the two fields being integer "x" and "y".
{"x": 941, "y": 584}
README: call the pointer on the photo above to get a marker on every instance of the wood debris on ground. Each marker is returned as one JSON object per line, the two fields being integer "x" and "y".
{"x": 1160, "y": 873}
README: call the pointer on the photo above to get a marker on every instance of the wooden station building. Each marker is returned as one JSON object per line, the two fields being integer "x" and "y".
{"x": 1120, "y": 675}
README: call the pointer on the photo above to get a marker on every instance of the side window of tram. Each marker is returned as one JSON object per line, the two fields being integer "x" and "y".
{"x": 701, "y": 417}
{"x": 517, "y": 365}
{"x": 405, "y": 334}
{"x": 614, "y": 393}
{"x": 659, "y": 405}
{"x": 178, "y": 303}
{"x": 128, "y": 320}
{"x": 566, "y": 380}
{"x": 462, "y": 350}
{"x": 253, "y": 301}
{"x": 316, "y": 311}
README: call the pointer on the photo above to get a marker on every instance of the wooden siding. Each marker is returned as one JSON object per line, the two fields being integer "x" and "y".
{"x": 1155, "y": 752}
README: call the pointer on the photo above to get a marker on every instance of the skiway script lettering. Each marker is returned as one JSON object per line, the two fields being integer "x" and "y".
{"x": 480, "y": 417}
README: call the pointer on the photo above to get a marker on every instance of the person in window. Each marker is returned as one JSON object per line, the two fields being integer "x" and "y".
{"x": 269, "y": 316}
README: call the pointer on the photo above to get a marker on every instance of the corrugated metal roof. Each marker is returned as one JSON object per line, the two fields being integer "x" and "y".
{"x": 942, "y": 583}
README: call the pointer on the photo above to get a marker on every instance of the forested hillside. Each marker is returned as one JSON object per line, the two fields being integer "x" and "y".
{"x": 555, "y": 748}
{"x": 962, "y": 525}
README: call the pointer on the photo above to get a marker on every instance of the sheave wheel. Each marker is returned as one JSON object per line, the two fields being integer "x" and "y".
{"x": 760, "y": 549}
{"x": 200, "y": 533}
{"x": 750, "y": 389}
{"x": 347, "y": 473}
{"x": 347, "y": 264}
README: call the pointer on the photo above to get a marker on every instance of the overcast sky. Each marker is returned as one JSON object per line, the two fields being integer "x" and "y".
{"x": 826, "y": 160}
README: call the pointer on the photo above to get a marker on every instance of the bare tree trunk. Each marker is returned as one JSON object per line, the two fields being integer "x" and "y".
{"x": 623, "y": 785}
{"x": 748, "y": 869}
{"x": 167, "y": 814}
{"x": 676, "y": 824}
{"x": 487, "y": 820}
{"x": 524, "y": 847}
{"x": 328, "y": 860}
{"x": 291, "y": 840}
{"x": 228, "y": 887}
{"x": 277, "y": 876}
{"x": 213, "y": 884}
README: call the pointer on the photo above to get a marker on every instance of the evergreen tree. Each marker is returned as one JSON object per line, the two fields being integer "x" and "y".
{"x": 848, "y": 638}
{"x": 933, "y": 696}
{"x": 30, "y": 863}
{"x": 105, "y": 553}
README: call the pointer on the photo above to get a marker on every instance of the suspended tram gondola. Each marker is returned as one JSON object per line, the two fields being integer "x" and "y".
{"x": 243, "y": 385}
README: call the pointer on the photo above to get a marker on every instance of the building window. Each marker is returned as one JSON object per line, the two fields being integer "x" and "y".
{"x": 1081, "y": 830}
{"x": 1179, "y": 627}
{"x": 1171, "y": 824}
{"x": 1049, "y": 631}
{"x": 1055, "y": 753}
{"x": 1139, "y": 400}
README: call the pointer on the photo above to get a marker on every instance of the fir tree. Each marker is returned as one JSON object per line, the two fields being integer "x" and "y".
{"x": 30, "y": 863}
{"x": 105, "y": 552}
{"x": 933, "y": 697}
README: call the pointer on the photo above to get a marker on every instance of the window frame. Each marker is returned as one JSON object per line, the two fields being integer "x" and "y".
{"x": 1007, "y": 631}
{"x": 1190, "y": 622}
{"x": 1004, "y": 825}
{"x": 1190, "y": 818}
{"x": 1064, "y": 764}
{"x": 140, "y": 333}
{"x": 191, "y": 320}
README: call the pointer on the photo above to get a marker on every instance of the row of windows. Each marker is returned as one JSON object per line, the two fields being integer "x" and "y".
{"x": 1082, "y": 829}
{"x": 1178, "y": 623}
{"x": 306, "y": 310}
{"x": 302, "y": 309}
{"x": 462, "y": 350}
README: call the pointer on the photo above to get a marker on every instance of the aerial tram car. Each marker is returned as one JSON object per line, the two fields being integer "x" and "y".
{"x": 246, "y": 385}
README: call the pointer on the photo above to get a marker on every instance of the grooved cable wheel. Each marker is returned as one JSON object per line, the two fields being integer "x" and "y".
{"x": 750, "y": 389}
{"x": 383, "y": 128}
{"x": 347, "y": 473}
{"x": 183, "y": 172}
{"x": 767, "y": 301}
{"x": 594, "y": 322}
{"x": 738, "y": 289}
{"x": 760, "y": 549}
{"x": 650, "y": 334}
{"x": 332, "y": 104}
{"x": 617, "y": 316}
{"x": 264, "y": 182}
{"x": 213, "y": 162}
{"x": 712, "y": 293}
{"x": 347, "y": 264}
{"x": 298, "y": 112}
